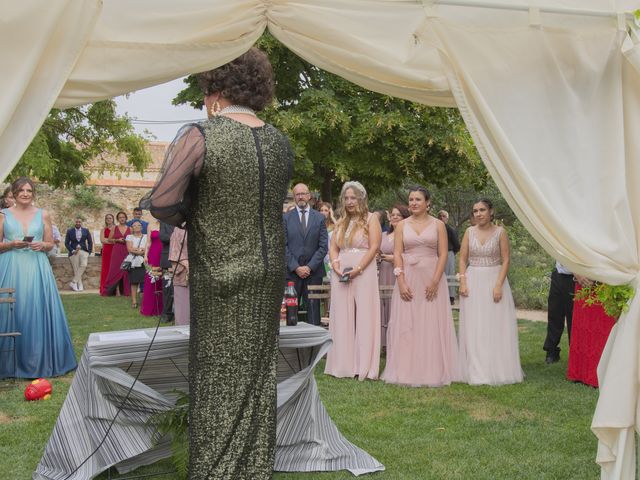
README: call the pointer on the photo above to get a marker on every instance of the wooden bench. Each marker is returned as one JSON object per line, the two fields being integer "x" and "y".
{"x": 323, "y": 294}
{"x": 7, "y": 296}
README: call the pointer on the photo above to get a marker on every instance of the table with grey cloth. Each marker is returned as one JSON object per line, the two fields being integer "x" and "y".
{"x": 307, "y": 439}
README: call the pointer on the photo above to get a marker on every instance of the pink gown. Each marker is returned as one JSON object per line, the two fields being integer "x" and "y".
{"x": 489, "y": 351}
{"x": 152, "y": 292}
{"x": 421, "y": 340}
{"x": 354, "y": 318}
{"x": 386, "y": 277}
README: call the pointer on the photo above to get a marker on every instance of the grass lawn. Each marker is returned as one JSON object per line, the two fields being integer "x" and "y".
{"x": 536, "y": 430}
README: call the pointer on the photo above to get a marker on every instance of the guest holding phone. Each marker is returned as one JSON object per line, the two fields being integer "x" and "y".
{"x": 354, "y": 319}
{"x": 44, "y": 349}
{"x": 136, "y": 246}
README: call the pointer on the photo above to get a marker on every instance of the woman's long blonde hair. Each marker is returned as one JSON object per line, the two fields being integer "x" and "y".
{"x": 343, "y": 233}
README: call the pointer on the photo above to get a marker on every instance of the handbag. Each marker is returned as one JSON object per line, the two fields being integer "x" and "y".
{"x": 126, "y": 263}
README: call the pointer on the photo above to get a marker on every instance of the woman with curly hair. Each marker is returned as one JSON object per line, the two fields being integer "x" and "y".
{"x": 233, "y": 162}
{"x": 354, "y": 319}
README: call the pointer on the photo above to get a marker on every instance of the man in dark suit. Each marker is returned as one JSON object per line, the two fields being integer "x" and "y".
{"x": 306, "y": 240}
{"x": 79, "y": 245}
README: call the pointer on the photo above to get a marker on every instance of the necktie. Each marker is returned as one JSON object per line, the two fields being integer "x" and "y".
{"x": 303, "y": 220}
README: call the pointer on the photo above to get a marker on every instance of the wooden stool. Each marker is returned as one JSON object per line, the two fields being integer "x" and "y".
{"x": 11, "y": 335}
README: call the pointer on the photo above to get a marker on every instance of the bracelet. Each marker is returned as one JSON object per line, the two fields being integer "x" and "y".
{"x": 397, "y": 271}
{"x": 359, "y": 268}
{"x": 460, "y": 275}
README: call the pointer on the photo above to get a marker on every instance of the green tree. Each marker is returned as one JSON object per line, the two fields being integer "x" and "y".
{"x": 69, "y": 139}
{"x": 340, "y": 131}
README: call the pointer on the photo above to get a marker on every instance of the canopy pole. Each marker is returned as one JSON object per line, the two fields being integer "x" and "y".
{"x": 524, "y": 8}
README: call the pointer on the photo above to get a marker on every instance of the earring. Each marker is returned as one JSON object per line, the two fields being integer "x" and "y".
{"x": 215, "y": 109}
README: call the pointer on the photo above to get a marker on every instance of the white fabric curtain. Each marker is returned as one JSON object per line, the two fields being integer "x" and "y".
{"x": 552, "y": 101}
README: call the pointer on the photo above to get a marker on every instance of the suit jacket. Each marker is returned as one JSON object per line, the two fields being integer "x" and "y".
{"x": 86, "y": 242}
{"x": 305, "y": 249}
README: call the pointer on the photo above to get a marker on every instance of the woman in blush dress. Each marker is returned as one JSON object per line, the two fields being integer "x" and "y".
{"x": 386, "y": 276}
{"x": 107, "y": 246}
{"x": 489, "y": 353}
{"x": 330, "y": 222}
{"x": 421, "y": 339}
{"x": 179, "y": 258}
{"x": 118, "y": 279}
{"x": 354, "y": 318}
{"x": 152, "y": 291}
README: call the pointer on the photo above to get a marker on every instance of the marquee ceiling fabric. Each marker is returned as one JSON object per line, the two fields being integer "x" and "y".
{"x": 552, "y": 102}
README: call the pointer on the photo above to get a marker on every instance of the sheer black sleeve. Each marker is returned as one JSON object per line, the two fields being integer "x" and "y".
{"x": 183, "y": 161}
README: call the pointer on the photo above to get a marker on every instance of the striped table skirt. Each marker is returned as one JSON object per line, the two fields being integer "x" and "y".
{"x": 307, "y": 439}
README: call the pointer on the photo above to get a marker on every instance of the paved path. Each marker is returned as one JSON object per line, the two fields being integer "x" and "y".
{"x": 534, "y": 315}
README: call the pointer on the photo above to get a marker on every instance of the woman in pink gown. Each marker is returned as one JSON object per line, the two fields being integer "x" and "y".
{"x": 385, "y": 275}
{"x": 107, "y": 246}
{"x": 152, "y": 292}
{"x": 354, "y": 318}
{"x": 421, "y": 339}
{"x": 489, "y": 353}
{"x": 118, "y": 279}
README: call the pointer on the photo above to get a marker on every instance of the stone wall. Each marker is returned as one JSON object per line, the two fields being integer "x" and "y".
{"x": 63, "y": 272}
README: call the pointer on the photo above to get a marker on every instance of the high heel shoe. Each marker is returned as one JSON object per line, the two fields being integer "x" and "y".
{"x": 134, "y": 305}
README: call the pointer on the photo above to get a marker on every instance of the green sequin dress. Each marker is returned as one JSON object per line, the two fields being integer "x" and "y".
{"x": 236, "y": 257}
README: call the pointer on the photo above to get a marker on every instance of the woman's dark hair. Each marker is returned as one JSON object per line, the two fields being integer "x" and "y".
{"x": 487, "y": 203}
{"x": 122, "y": 213}
{"x": 21, "y": 182}
{"x": 136, "y": 220}
{"x": 404, "y": 211}
{"x": 422, "y": 190}
{"x": 246, "y": 81}
{"x": 382, "y": 217}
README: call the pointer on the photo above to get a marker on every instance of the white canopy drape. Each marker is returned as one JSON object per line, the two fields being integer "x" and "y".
{"x": 552, "y": 102}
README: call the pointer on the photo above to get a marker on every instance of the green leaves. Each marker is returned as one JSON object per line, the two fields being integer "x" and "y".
{"x": 613, "y": 298}
{"x": 71, "y": 139}
{"x": 340, "y": 131}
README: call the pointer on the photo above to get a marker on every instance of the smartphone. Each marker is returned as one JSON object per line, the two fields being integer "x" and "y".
{"x": 28, "y": 239}
{"x": 345, "y": 275}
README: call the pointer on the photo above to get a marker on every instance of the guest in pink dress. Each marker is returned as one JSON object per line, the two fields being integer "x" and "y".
{"x": 385, "y": 275}
{"x": 152, "y": 292}
{"x": 179, "y": 258}
{"x": 354, "y": 318}
{"x": 118, "y": 279}
{"x": 489, "y": 353}
{"x": 421, "y": 339}
{"x": 107, "y": 246}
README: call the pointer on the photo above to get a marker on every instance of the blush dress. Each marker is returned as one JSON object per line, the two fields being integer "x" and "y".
{"x": 385, "y": 277}
{"x": 489, "y": 352}
{"x": 354, "y": 318}
{"x": 421, "y": 338}
{"x": 152, "y": 292}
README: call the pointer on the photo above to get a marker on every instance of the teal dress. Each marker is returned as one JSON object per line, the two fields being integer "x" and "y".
{"x": 44, "y": 349}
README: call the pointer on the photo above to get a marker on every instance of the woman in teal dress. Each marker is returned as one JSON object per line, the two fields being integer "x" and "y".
{"x": 44, "y": 348}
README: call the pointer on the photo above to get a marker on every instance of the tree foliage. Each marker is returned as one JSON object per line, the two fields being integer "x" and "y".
{"x": 340, "y": 131}
{"x": 70, "y": 139}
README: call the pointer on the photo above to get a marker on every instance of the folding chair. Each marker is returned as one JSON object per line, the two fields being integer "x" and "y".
{"x": 7, "y": 325}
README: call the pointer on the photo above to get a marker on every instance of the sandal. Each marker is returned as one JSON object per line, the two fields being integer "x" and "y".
{"x": 134, "y": 305}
